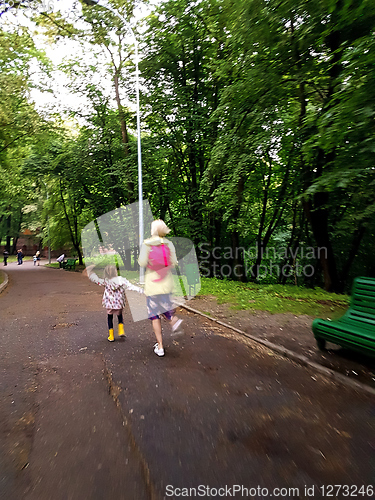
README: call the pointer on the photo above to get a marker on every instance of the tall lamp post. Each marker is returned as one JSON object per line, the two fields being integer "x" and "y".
{"x": 49, "y": 242}
{"x": 93, "y": 3}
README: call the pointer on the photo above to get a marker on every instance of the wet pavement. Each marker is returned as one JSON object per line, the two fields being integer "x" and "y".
{"x": 82, "y": 418}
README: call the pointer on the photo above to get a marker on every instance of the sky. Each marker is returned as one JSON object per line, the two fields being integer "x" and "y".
{"x": 61, "y": 98}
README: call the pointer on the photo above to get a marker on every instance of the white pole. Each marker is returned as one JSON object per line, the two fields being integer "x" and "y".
{"x": 140, "y": 186}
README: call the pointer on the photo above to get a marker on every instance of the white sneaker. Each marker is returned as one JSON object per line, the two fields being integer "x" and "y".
{"x": 157, "y": 351}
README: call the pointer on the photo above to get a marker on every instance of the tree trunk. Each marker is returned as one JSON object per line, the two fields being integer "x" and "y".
{"x": 316, "y": 209}
{"x": 73, "y": 231}
{"x": 356, "y": 242}
{"x": 125, "y": 140}
{"x": 237, "y": 267}
{"x": 317, "y": 215}
{"x": 124, "y": 132}
{"x": 8, "y": 237}
{"x": 238, "y": 270}
{"x": 293, "y": 243}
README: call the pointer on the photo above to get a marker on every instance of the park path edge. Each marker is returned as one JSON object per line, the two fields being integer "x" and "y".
{"x": 4, "y": 284}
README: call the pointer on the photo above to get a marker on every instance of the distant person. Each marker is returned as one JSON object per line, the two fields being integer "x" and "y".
{"x": 38, "y": 257}
{"x": 158, "y": 254}
{"x": 6, "y": 255}
{"x": 113, "y": 297}
{"x": 19, "y": 257}
{"x": 60, "y": 260}
{"x": 34, "y": 259}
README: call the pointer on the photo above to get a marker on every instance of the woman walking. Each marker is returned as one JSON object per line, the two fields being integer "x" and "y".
{"x": 158, "y": 255}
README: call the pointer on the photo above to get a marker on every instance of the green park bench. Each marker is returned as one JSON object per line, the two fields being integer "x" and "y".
{"x": 192, "y": 276}
{"x": 70, "y": 264}
{"x": 356, "y": 329}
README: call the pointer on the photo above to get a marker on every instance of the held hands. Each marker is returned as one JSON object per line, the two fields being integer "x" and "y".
{"x": 140, "y": 289}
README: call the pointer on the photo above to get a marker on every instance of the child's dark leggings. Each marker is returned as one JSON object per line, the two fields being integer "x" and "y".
{"x": 110, "y": 320}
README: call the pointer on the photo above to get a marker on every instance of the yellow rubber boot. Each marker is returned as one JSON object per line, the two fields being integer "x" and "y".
{"x": 121, "y": 332}
{"x": 111, "y": 337}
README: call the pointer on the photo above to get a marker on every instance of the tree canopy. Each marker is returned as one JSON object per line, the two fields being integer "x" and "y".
{"x": 257, "y": 131}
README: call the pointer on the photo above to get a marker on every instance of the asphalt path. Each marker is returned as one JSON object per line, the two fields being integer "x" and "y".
{"x": 83, "y": 418}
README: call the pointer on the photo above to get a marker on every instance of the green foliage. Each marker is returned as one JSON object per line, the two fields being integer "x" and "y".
{"x": 296, "y": 100}
{"x": 181, "y": 47}
{"x": 20, "y": 127}
{"x": 257, "y": 130}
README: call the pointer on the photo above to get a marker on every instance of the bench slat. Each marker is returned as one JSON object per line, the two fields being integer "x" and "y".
{"x": 356, "y": 329}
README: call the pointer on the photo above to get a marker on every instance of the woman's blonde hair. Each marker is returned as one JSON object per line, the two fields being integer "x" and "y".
{"x": 110, "y": 271}
{"x": 159, "y": 228}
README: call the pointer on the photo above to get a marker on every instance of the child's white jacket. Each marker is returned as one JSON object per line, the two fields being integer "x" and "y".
{"x": 114, "y": 296}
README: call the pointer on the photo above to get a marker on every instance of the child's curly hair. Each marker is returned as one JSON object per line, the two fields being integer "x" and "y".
{"x": 110, "y": 271}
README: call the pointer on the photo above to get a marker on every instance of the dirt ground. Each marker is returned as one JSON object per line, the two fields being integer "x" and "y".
{"x": 84, "y": 418}
{"x": 292, "y": 332}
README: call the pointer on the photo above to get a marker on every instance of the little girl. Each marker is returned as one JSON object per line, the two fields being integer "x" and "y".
{"x": 114, "y": 296}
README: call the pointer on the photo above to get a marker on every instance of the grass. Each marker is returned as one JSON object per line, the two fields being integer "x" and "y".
{"x": 132, "y": 276}
{"x": 56, "y": 265}
{"x": 276, "y": 298}
{"x": 13, "y": 258}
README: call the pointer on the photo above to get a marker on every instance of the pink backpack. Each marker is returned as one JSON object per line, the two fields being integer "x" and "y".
{"x": 159, "y": 260}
